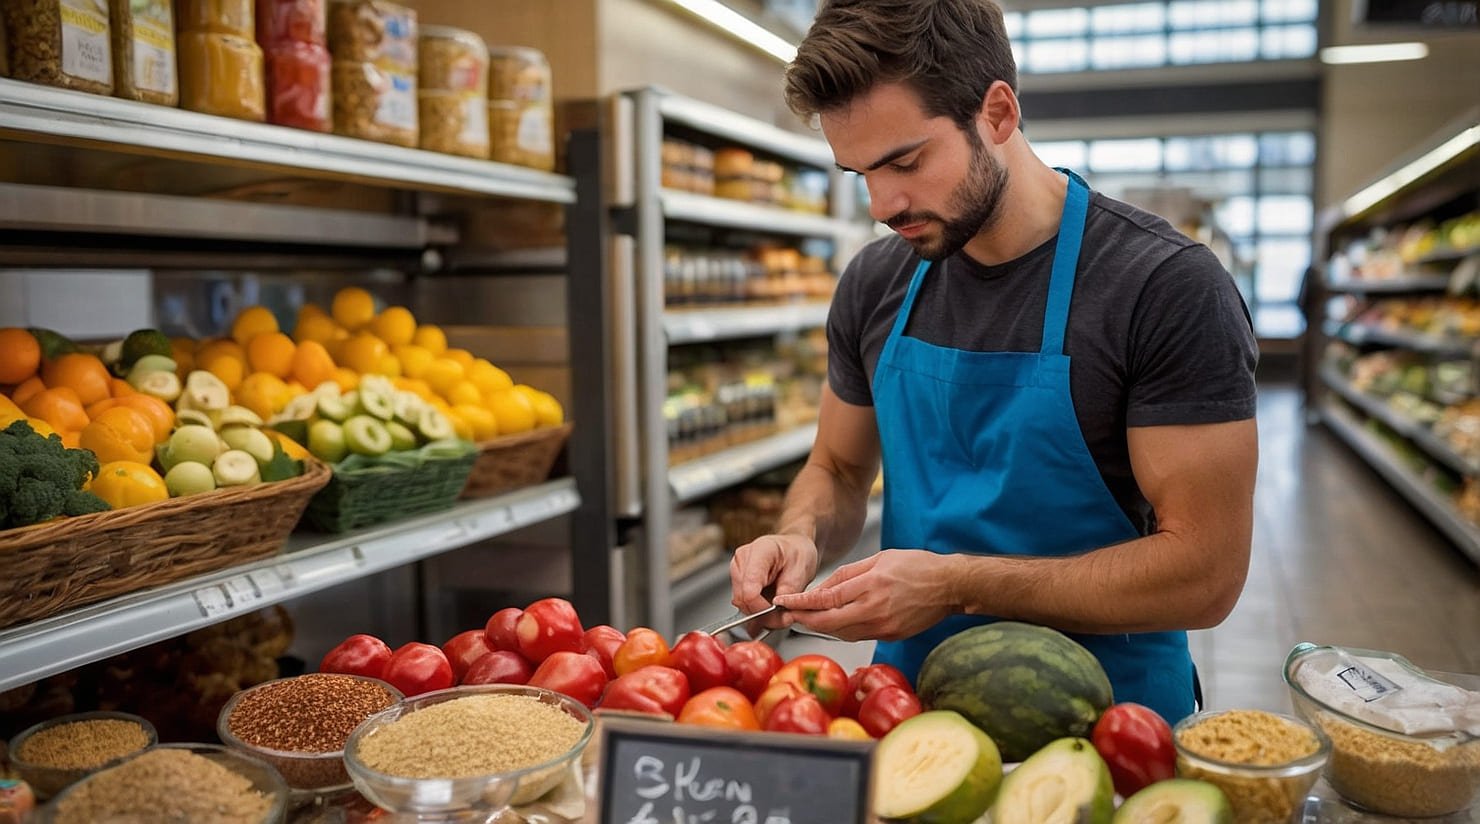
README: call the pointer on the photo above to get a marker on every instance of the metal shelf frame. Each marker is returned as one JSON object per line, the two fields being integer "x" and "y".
{"x": 1395, "y": 286}
{"x": 705, "y": 476}
{"x": 735, "y": 214}
{"x": 1359, "y": 335}
{"x": 731, "y": 323}
{"x": 1421, "y": 435}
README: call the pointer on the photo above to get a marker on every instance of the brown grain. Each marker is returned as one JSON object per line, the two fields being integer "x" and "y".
{"x": 1400, "y": 778}
{"x": 471, "y": 736}
{"x": 165, "y": 785}
{"x": 135, "y": 26}
{"x": 34, "y": 34}
{"x": 310, "y": 714}
{"x": 1253, "y": 739}
{"x": 83, "y": 744}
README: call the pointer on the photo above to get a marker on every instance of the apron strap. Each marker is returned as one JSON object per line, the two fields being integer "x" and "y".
{"x": 901, "y": 319}
{"x": 1065, "y": 262}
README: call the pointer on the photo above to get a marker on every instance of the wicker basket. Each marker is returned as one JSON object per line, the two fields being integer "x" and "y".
{"x": 70, "y": 562}
{"x": 508, "y": 463}
{"x": 376, "y": 494}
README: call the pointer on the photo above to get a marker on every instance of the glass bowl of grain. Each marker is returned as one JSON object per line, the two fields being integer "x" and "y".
{"x": 54, "y": 754}
{"x": 1265, "y": 762}
{"x": 1430, "y": 767}
{"x": 300, "y": 725}
{"x": 471, "y": 749}
{"x": 175, "y": 782}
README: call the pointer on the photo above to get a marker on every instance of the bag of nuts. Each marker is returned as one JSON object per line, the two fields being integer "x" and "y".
{"x": 60, "y": 43}
{"x": 144, "y": 51}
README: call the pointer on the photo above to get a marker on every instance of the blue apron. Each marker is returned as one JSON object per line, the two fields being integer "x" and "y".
{"x": 983, "y": 454}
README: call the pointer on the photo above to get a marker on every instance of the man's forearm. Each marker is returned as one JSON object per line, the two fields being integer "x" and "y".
{"x": 826, "y": 506}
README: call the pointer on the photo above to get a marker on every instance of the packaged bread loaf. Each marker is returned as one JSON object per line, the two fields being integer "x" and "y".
{"x": 233, "y": 17}
{"x": 221, "y": 74}
{"x": 280, "y": 22}
{"x": 60, "y": 43}
{"x": 298, "y": 86}
{"x": 144, "y": 51}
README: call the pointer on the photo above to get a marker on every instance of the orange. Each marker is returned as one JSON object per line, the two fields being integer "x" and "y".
{"x": 271, "y": 352}
{"x": 159, "y": 414}
{"x": 59, "y": 407}
{"x": 229, "y": 369}
{"x": 353, "y": 307}
{"x": 396, "y": 326}
{"x": 26, "y": 389}
{"x": 488, "y": 378}
{"x": 315, "y": 327}
{"x": 415, "y": 386}
{"x": 430, "y": 338}
{"x": 462, "y": 356}
{"x": 20, "y": 355}
{"x": 390, "y": 366}
{"x": 120, "y": 434}
{"x": 212, "y": 349}
{"x": 119, "y": 387}
{"x": 363, "y": 353}
{"x": 414, "y": 359}
{"x": 128, "y": 483}
{"x": 82, "y": 373}
{"x": 481, "y": 421}
{"x": 263, "y": 393}
{"x": 312, "y": 364}
{"x": 513, "y": 410}
{"x": 346, "y": 378}
{"x": 182, "y": 350}
{"x": 253, "y": 321}
{"x": 309, "y": 310}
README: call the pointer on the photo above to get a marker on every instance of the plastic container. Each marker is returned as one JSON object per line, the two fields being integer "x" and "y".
{"x": 452, "y": 60}
{"x": 373, "y": 31}
{"x": 484, "y": 793}
{"x": 235, "y": 17}
{"x": 47, "y": 781}
{"x": 299, "y": 86}
{"x": 374, "y": 103}
{"x": 63, "y": 43}
{"x": 521, "y": 135}
{"x": 453, "y": 123}
{"x": 519, "y": 73}
{"x": 1258, "y": 794}
{"x": 1378, "y": 769}
{"x": 280, "y": 22}
{"x": 222, "y": 74}
{"x": 143, "y": 33}
{"x": 306, "y": 773}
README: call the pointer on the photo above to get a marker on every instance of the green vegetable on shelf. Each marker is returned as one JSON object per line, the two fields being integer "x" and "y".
{"x": 41, "y": 479}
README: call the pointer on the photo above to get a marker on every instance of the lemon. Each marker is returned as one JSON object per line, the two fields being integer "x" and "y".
{"x": 481, "y": 421}
{"x": 430, "y": 338}
{"x": 253, "y": 321}
{"x": 353, "y": 307}
{"x": 443, "y": 374}
{"x": 414, "y": 359}
{"x": 396, "y": 326}
{"x": 488, "y": 378}
{"x": 512, "y": 410}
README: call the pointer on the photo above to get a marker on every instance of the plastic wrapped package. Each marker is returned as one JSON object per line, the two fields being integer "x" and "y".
{"x": 520, "y": 134}
{"x": 143, "y": 34}
{"x": 373, "y": 31}
{"x": 453, "y": 123}
{"x": 452, "y": 60}
{"x": 280, "y": 22}
{"x": 373, "y": 103}
{"x": 520, "y": 74}
{"x": 298, "y": 86}
{"x": 216, "y": 16}
{"x": 221, "y": 74}
{"x": 60, "y": 43}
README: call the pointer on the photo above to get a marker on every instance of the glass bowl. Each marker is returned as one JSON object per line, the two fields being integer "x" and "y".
{"x": 46, "y": 781}
{"x": 306, "y": 773}
{"x": 264, "y": 778}
{"x": 483, "y": 793}
{"x": 1258, "y": 794}
{"x": 1378, "y": 769}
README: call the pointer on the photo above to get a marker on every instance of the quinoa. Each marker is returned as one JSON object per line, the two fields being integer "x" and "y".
{"x": 471, "y": 736}
{"x": 311, "y": 715}
{"x": 165, "y": 785}
{"x": 1257, "y": 740}
{"x": 1400, "y": 778}
{"x": 82, "y": 745}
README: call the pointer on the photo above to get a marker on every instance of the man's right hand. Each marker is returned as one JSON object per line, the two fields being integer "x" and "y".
{"x": 786, "y": 562}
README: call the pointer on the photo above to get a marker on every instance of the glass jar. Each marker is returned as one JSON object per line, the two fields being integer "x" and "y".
{"x": 523, "y": 135}
{"x": 374, "y": 103}
{"x": 520, "y": 74}
{"x": 143, "y": 33}
{"x": 221, "y": 74}
{"x": 290, "y": 21}
{"x": 453, "y": 123}
{"x": 234, "y": 17}
{"x": 298, "y": 84}
{"x": 373, "y": 31}
{"x": 61, "y": 43}
{"x": 452, "y": 60}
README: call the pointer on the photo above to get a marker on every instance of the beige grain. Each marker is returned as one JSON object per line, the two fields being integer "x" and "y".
{"x": 471, "y": 736}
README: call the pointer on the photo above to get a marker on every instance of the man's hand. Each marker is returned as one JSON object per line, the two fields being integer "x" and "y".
{"x": 888, "y": 596}
{"x": 789, "y": 562}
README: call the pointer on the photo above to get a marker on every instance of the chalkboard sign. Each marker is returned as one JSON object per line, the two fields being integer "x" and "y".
{"x": 659, "y": 773}
{"x": 1458, "y": 14}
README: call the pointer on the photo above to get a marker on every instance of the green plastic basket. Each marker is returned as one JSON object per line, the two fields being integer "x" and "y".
{"x": 364, "y": 493}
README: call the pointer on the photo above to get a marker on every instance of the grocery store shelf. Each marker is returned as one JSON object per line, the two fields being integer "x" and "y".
{"x": 1392, "y": 286}
{"x": 310, "y": 563}
{"x": 36, "y": 113}
{"x": 1428, "y": 500}
{"x": 705, "y": 476}
{"x": 1447, "y": 255}
{"x": 736, "y": 214}
{"x": 694, "y": 325}
{"x": 1421, "y": 436}
{"x": 737, "y": 127}
{"x": 1358, "y": 335}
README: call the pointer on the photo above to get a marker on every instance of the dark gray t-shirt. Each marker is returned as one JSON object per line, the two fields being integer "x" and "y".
{"x": 1158, "y": 333}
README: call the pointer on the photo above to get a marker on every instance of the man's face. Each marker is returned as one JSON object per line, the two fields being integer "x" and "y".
{"x": 933, "y": 183}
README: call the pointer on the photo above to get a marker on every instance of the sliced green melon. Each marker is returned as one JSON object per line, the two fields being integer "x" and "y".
{"x": 1176, "y": 801}
{"x": 1066, "y": 782}
{"x": 935, "y": 768}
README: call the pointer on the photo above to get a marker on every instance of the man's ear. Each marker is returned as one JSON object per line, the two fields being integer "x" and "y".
{"x": 999, "y": 116}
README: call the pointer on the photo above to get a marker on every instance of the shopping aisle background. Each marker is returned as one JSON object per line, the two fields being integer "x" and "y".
{"x": 1338, "y": 558}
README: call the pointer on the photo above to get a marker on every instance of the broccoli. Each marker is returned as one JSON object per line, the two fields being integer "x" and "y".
{"x": 41, "y": 479}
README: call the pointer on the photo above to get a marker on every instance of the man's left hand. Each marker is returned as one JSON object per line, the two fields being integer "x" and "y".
{"x": 891, "y": 595}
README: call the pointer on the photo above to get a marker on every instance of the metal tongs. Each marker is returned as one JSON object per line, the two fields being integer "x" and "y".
{"x": 740, "y": 619}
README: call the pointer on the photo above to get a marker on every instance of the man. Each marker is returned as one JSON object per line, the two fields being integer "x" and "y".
{"x": 1060, "y": 385}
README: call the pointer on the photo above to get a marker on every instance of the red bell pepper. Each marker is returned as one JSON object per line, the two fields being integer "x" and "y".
{"x": 772, "y": 696}
{"x": 643, "y": 648}
{"x": 358, "y": 655}
{"x": 865, "y": 680}
{"x": 500, "y": 632}
{"x": 603, "y": 642}
{"x": 800, "y": 713}
{"x": 1136, "y": 743}
{"x": 573, "y": 673}
{"x": 655, "y": 690}
{"x": 701, "y": 657}
{"x": 548, "y": 626}
{"x": 818, "y": 675}
{"x": 885, "y": 707}
{"x": 752, "y": 663}
{"x": 417, "y": 668}
{"x": 463, "y": 649}
{"x": 721, "y": 707}
{"x": 499, "y": 667}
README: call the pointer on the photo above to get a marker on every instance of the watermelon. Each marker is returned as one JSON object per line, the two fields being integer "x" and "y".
{"x": 1022, "y": 684}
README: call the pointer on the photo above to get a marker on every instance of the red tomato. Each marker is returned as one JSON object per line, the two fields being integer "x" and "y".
{"x": 752, "y": 663}
{"x": 865, "y": 680}
{"x": 721, "y": 707}
{"x": 358, "y": 655}
{"x": 500, "y": 633}
{"x": 499, "y": 667}
{"x": 548, "y": 626}
{"x": 656, "y": 690}
{"x": 576, "y": 674}
{"x": 417, "y": 668}
{"x": 885, "y": 707}
{"x": 1136, "y": 743}
{"x": 774, "y": 695}
{"x": 818, "y": 675}
{"x": 463, "y": 649}
{"x": 800, "y": 713}
{"x": 701, "y": 657}
{"x": 603, "y": 642}
{"x": 643, "y": 648}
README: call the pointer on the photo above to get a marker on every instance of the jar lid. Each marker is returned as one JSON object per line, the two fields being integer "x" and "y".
{"x": 527, "y": 53}
{"x": 467, "y": 38}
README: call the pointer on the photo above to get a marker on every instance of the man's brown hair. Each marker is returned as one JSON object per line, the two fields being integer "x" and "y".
{"x": 948, "y": 51}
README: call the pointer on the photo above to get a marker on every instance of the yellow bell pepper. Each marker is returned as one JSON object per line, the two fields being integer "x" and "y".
{"x": 128, "y": 483}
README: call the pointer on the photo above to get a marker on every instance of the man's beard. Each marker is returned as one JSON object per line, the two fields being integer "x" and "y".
{"x": 977, "y": 201}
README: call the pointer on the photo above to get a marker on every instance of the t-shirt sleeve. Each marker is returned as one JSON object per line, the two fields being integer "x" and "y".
{"x": 846, "y": 371}
{"x": 1194, "y": 350}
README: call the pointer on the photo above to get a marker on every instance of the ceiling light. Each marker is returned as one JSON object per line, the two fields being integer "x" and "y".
{"x": 1374, "y": 53}
{"x": 740, "y": 27}
{"x": 1431, "y": 160}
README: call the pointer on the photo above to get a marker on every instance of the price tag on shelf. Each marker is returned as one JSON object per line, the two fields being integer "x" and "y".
{"x": 212, "y": 602}
{"x": 269, "y": 582}
{"x": 242, "y": 592}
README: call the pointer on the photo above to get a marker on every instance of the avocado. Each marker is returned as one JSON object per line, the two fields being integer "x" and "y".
{"x": 143, "y": 342}
{"x": 1176, "y": 801}
{"x": 1065, "y": 782}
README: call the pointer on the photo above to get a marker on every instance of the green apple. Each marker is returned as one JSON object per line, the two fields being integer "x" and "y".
{"x": 191, "y": 444}
{"x": 376, "y": 403}
{"x": 334, "y": 408}
{"x": 434, "y": 425}
{"x": 250, "y": 440}
{"x": 236, "y": 468}
{"x": 326, "y": 441}
{"x": 189, "y": 478}
{"x": 366, "y": 436}
{"x": 402, "y": 438}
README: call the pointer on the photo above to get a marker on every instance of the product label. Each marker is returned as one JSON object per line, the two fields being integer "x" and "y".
{"x": 475, "y": 122}
{"x": 534, "y": 131}
{"x": 85, "y": 51}
{"x": 1368, "y": 685}
{"x": 397, "y": 106}
{"x": 154, "y": 57}
{"x": 399, "y": 43}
